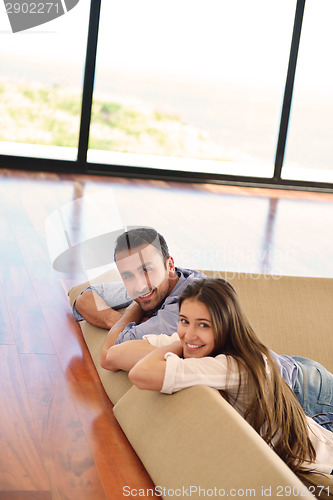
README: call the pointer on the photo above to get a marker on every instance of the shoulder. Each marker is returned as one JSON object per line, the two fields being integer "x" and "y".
{"x": 190, "y": 274}
{"x": 186, "y": 276}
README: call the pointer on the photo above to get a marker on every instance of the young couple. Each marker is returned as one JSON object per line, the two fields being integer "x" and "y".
{"x": 214, "y": 345}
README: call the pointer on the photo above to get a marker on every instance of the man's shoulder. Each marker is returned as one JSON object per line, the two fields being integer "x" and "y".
{"x": 186, "y": 276}
{"x": 190, "y": 274}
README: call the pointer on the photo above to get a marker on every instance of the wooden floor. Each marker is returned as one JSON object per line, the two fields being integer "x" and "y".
{"x": 59, "y": 438}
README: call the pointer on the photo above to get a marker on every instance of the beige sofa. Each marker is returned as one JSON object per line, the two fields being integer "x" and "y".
{"x": 193, "y": 443}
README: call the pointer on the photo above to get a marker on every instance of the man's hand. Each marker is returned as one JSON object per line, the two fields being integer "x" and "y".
{"x": 133, "y": 313}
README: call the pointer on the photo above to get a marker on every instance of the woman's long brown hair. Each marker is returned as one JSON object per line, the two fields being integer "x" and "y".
{"x": 274, "y": 410}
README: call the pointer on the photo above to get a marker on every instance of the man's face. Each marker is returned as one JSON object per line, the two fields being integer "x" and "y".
{"x": 145, "y": 276}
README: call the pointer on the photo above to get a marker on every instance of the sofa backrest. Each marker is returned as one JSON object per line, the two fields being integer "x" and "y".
{"x": 291, "y": 315}
{"x": 193, "y": 443}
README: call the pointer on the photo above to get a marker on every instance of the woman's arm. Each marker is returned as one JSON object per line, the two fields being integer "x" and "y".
{"x": 124, "y": 356}
{"x": 148, "y": 373}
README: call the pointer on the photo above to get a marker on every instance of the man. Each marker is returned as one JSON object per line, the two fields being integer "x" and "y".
{"x": 149, "y": 292}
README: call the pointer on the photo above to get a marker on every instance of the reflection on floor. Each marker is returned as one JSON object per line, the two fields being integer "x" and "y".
{"x": 216, "y": 227}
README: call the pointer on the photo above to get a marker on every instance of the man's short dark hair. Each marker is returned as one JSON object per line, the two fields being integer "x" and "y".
{"x": 134, "y": 238}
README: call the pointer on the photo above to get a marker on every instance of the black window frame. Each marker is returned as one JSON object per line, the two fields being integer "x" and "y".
{"x": 82, "y": 166}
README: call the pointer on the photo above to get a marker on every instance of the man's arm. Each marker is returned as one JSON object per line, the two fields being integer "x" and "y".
{"x": 124, "y": 356}
{"x": 133, "y": 313}
{"x": 149, "y": 372}
{"x": 95, "y": 310}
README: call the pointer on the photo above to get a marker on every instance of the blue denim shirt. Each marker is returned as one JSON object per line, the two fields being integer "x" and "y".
{"x": 165, "y": 320}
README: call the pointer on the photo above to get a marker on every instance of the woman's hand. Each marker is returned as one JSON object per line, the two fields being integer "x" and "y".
{"x": 124, "y": 356}
{"x": 148, "y": 373}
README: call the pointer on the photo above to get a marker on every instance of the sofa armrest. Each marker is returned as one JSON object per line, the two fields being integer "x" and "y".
{"x": 194, "y": 439}
{"x": 115, "y": 383}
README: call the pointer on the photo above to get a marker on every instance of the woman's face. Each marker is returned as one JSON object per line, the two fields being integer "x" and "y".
{"x": 195, "y": 329}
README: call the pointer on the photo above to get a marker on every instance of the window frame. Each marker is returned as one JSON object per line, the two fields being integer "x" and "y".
{"x": 81, "y": 165}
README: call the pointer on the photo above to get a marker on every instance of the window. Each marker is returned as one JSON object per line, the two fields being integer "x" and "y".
{"x": 309, "y": 151}
{"x": 191, "y": 85}
{"x": 41, "y": 86}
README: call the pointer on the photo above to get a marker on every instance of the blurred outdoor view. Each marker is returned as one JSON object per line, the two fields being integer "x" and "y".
{"x": 188, "y": 85}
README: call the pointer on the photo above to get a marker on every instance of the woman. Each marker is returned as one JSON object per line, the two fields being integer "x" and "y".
{"x": 216, "y": 346}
